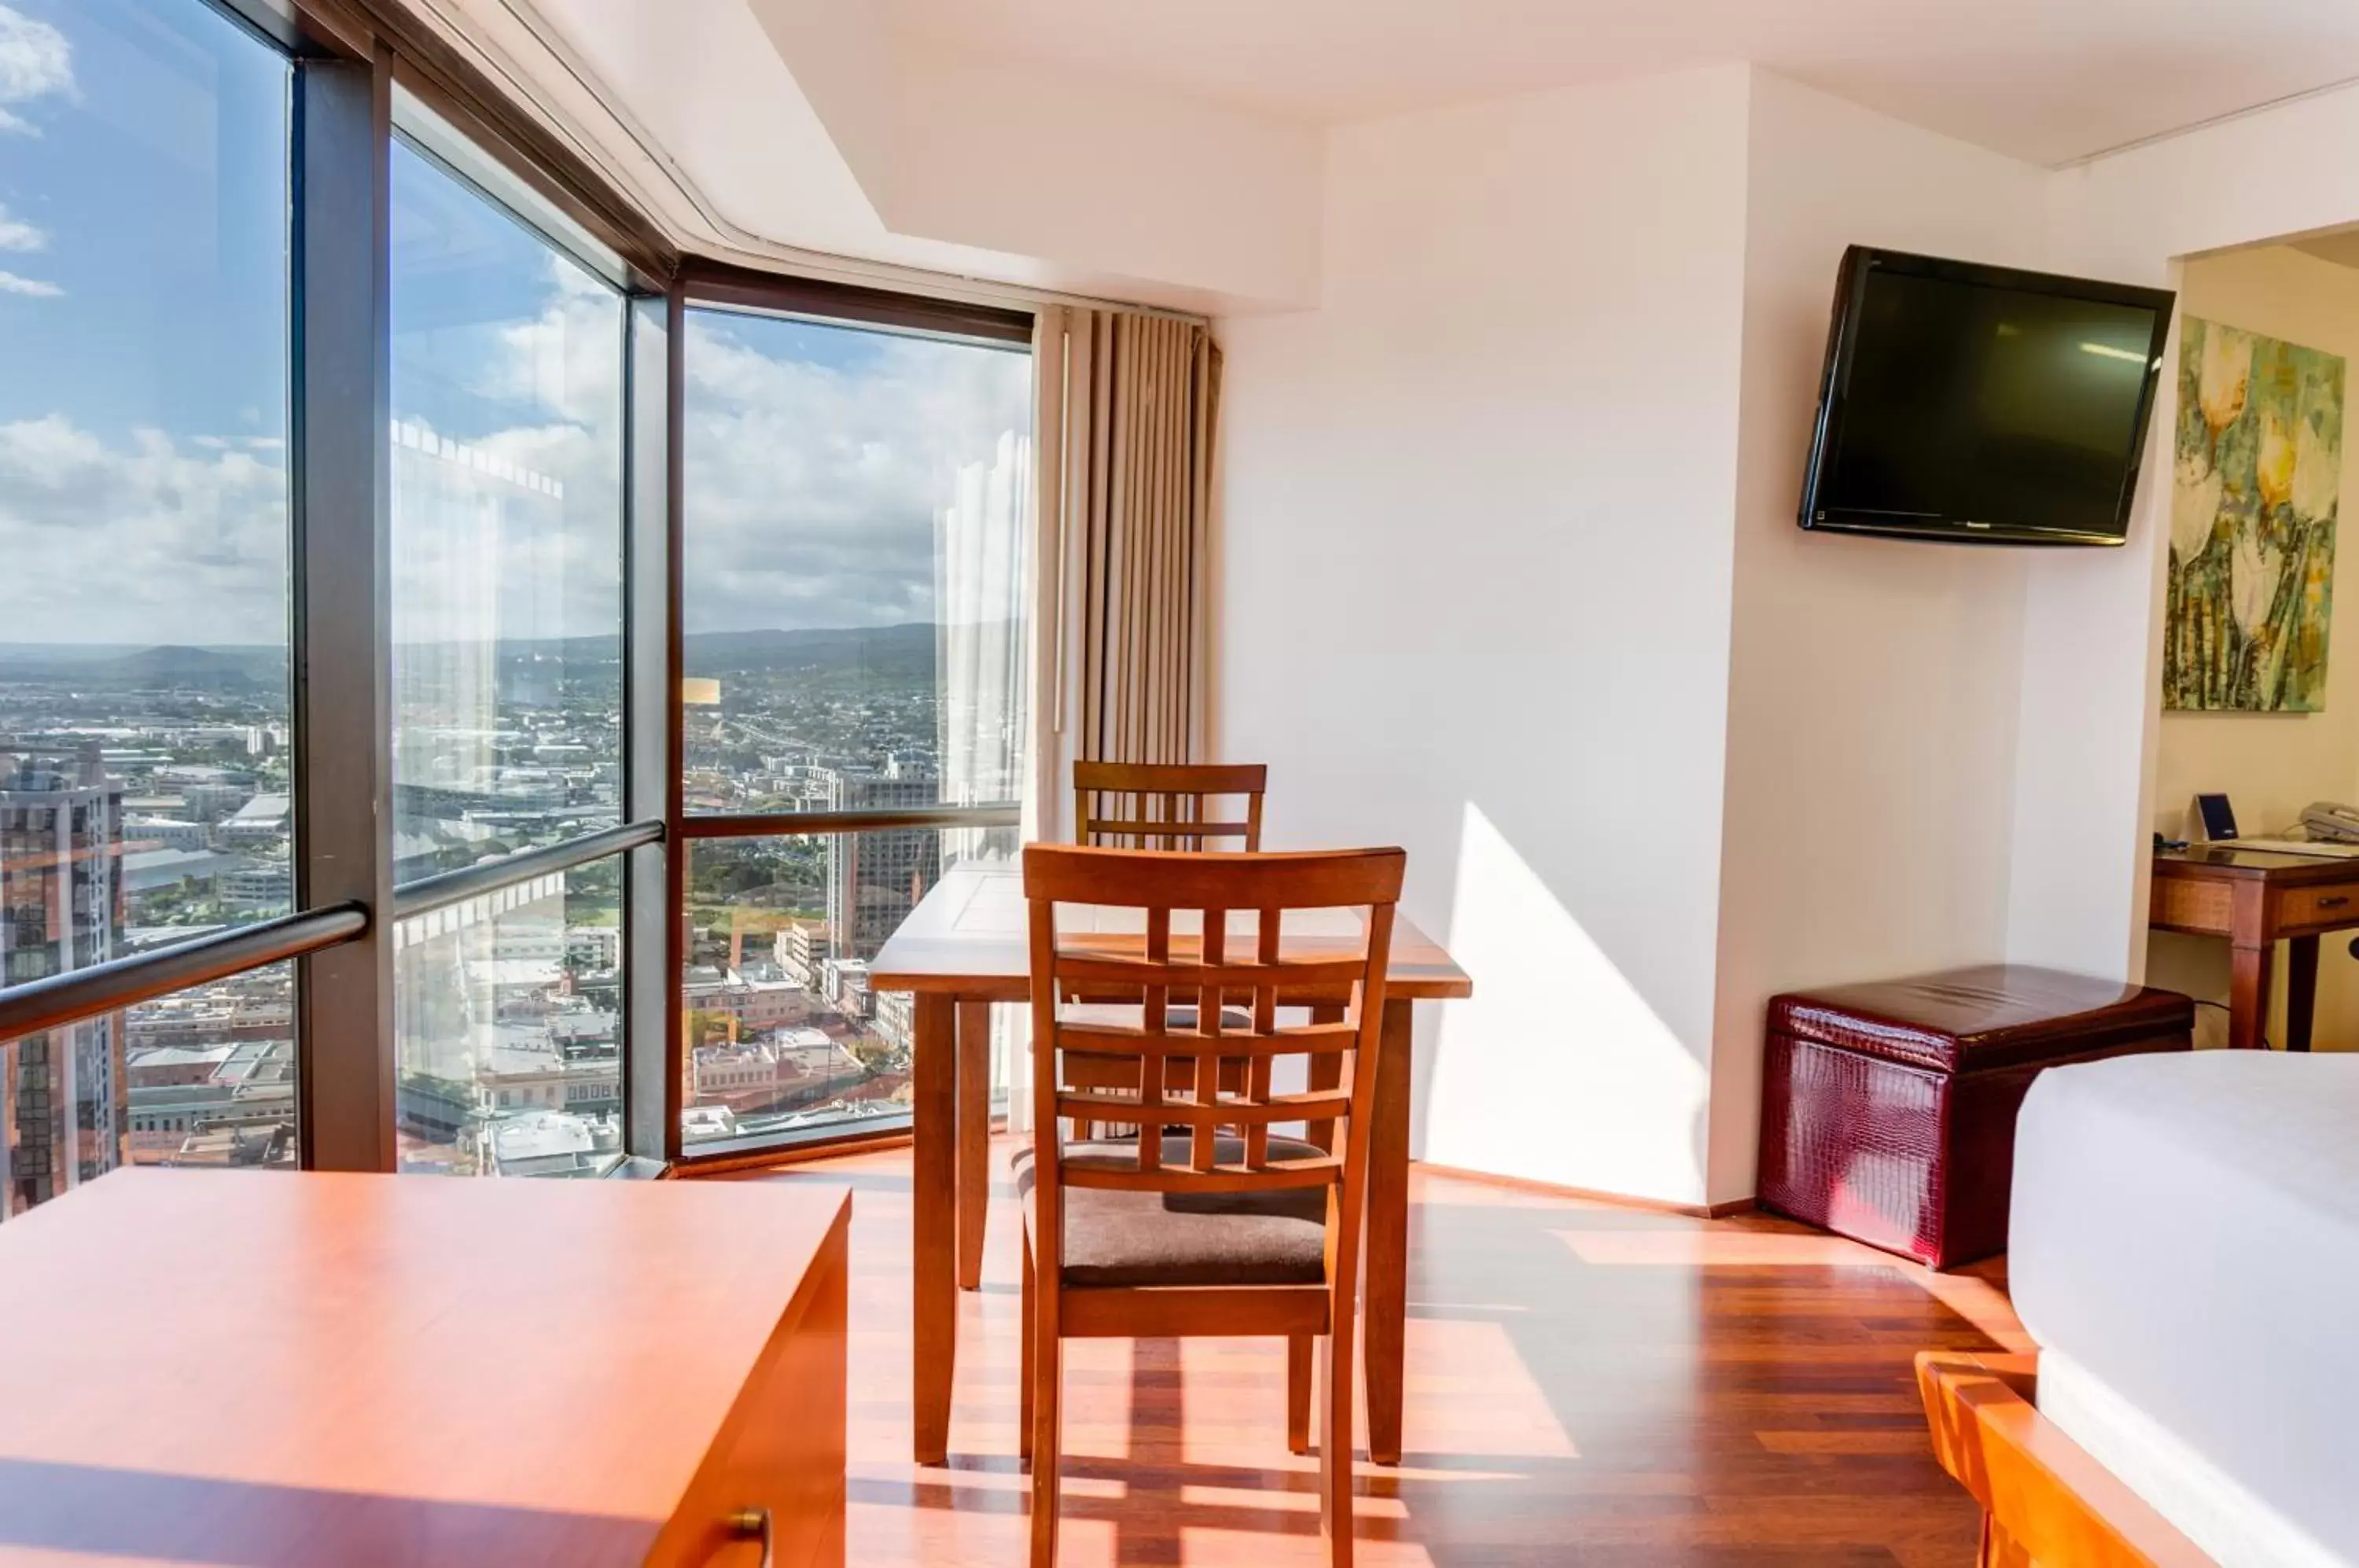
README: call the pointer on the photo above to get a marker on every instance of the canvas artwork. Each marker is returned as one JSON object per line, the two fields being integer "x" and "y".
{"x": 2257, "y": 477}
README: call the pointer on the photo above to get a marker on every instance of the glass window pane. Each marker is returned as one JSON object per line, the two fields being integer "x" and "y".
{"x": 507, "y": 1018}
{"x": 143, "y": 699}
{"x": 204, "y": 1076}
{"x": 784, "y": 1039}
{"x": 507, "y": 531}
{"x": 855, "y": 567}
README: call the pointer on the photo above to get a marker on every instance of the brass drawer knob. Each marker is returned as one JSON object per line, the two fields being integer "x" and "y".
{"x": 753, "y": 1524}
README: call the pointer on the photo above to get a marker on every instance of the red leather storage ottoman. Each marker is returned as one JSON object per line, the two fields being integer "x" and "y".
{"x": 1887, "y": 1110}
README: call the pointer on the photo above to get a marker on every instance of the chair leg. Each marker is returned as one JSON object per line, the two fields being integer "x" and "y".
{"x": 1299, "y": 1349}
{"x": 1024, "y": 1335}
{"x": 1048, "y": 1443}
{"x": 1335, "y": 1443}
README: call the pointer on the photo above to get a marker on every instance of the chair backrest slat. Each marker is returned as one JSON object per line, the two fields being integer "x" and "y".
{"x": 1156, "y": 1067}
{"x": 1161, "y": 805}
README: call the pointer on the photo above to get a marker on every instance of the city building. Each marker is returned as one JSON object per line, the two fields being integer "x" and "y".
{"x": 874, "y": 880}
{"x": 239, "y": 1112}
{"x": 164, "y": 833}
{"x": 61, "y": 908}
{"x": 800, "y": 949}
{"x": 844, "y": 984}
{"x": 262, "y": 820}
{"x": 594, "y": 947}
{"x": 552, "y": 1143}
{"x": 895, "y": 1019}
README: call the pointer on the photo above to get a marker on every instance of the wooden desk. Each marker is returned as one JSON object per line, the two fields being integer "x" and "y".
{"x": 2253, "y": 898}
{"x": 964, "y": 948}
{"x": 265, "y": 1367}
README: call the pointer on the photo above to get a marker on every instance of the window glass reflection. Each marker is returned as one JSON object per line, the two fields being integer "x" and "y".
{"x": 508, "y": 1019}
{"x": 507, "y": 457}
{"x": 144, "y": 586}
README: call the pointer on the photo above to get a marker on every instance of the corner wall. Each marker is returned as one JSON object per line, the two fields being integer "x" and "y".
{"x": 1511, "y": 578}
{"x": 1873, "y": 683}
{"x": 1475, "y": 582}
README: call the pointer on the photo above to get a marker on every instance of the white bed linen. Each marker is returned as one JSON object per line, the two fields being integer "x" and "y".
{"x": 2184, "y": 1250}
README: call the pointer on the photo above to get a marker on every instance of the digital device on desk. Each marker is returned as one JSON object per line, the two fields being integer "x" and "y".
{"x": 2324, "y": 820}
{"x": 2329, "y": 831}
{"x": 2219, "y": 821}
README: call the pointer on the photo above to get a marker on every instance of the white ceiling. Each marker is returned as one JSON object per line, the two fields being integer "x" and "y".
{"x": 2047, "y": 81}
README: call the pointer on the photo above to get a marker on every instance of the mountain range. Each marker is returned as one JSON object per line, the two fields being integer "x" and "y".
{"x": 906, "y": 649}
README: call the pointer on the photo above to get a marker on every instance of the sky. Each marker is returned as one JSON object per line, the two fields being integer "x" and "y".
{"x": 143, "y": 384}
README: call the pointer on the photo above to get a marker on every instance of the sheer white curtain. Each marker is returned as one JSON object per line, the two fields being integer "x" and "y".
{"x": 983, "y": 563}
{"x": 983, "y": 579}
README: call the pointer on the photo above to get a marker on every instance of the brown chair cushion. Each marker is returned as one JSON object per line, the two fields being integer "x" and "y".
{"x": 1189, "y": 1239}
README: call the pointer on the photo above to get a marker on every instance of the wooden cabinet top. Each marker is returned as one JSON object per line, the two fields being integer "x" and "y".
{"x": 2227, "y": 862}
{"x": 453, "y": 1370}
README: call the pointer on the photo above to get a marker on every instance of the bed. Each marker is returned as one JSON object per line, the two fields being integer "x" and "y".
{"x": 2185, "y": 1253}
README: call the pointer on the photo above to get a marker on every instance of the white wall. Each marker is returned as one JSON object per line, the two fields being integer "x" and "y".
{"x": 2271, "y": 765}
{"x": 1651, "y": 772}
{"x": 1873, "y": 684}
{"x": 1476, "y": 591}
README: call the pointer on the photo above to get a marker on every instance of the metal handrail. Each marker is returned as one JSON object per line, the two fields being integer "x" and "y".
{"x": 787, "y": 824}
{"x": 450, "y": 888}
{"x": 59, "y": 999}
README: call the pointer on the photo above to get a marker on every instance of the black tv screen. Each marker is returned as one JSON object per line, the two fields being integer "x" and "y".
{"x": 1982, "y": 403}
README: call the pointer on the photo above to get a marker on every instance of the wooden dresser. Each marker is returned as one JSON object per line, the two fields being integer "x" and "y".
{"x": 263, "y": 1368}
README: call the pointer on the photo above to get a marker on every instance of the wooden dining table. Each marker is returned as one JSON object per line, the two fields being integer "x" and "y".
{"x": 962, "y": 948}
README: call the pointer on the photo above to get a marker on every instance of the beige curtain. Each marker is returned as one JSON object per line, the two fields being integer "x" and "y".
{"x": 1124, "y": 434}
{"x": 1123, "y": 439}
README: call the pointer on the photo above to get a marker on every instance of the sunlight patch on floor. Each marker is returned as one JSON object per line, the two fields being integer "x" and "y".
{"x": 1974, "y": 1298}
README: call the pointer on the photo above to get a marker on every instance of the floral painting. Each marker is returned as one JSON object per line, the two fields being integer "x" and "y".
{"x": 2258, "y": 473}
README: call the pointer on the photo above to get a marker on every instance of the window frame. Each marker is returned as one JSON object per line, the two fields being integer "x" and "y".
{"x": 347, "y": 59}
{"x": 710, "y": 285}
{"x": 636, "y": 833}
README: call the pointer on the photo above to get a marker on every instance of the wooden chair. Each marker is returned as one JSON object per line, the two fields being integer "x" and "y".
{"x": 1223, "y": 1227}
{"x": 1159, "y": 805}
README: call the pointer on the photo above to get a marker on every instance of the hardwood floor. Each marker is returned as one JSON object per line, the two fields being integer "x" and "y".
{"x": 1588, "y": 1384}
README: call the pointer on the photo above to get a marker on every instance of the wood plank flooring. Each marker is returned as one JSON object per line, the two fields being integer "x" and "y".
{"x": 1588, "y": 1384}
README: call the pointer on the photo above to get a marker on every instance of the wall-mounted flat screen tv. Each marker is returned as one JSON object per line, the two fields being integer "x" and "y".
{"x": 1982, "y": 405}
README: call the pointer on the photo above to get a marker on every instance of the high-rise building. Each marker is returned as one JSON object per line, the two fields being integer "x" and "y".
{"x": 874, "y": 880}
{"x": 61, "y": 908}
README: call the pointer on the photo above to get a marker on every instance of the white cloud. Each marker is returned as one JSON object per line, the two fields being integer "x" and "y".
{"x": 17, "y": 235}
{"x": 516, "y": 533}
{"x": 10, "y": 283}
{"x": 813, "y": 488}
{"x": 35, "y": 61}
{"x": 140, "y": 540}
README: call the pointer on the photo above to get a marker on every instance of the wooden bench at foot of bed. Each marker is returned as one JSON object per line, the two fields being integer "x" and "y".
{"x": 2045, "y": 1500}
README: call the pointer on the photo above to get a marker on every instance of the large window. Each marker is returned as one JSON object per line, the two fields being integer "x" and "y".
{"x": 508, "y": 678}
{"x": 510, "y": 1009}
{"x": 855, "y": 636}
{"x": 508, "y": 531}
{"x": 360, "y": 484}
{"x": 143, "y": 599}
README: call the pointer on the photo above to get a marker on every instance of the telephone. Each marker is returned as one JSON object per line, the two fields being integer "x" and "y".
{"x": 2324, "y": 821}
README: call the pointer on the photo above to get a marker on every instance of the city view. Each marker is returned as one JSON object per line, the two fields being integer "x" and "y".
{"x": 143, "y": 800}
{"x": 853, "y": 621}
